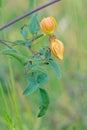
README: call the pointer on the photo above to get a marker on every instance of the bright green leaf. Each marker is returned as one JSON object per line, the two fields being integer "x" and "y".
{"x": 34, "y": 24}
{"x": 55, "y": 67}
{"x": 43, "y": 101}
{"x": 20, "y": 42}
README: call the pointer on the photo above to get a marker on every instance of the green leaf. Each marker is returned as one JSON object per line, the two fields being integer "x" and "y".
{"x": 28, "y": 43}
{"x": 24, "y": 32}
{"x": 42, "y": 78}
{"x": 48, "y": 54}
{"x": 31, "y": 4}
{"x": 43, "y": 101}
{"x": 56, "y": 68}
{"x": 34, "y": 24}
{"x": 32, "y": 86}
{"x": 14, "y": 53}
{"x": 20, "y": 42}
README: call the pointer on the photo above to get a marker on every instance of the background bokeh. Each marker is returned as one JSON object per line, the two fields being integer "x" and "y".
{"x": 68, "y": 96}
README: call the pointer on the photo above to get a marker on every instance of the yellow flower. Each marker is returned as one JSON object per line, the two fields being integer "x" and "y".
{"x": 56, "y": 47}
{"x": 48, "y": 25}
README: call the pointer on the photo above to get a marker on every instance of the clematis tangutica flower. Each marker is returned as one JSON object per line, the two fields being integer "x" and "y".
{"x": 48, "y": 25}
{"x": 56, "y": 47}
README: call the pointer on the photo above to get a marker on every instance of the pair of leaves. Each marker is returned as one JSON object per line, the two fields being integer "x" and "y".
{"x": 38, "y": 78}
{"x": 33, "y": 28}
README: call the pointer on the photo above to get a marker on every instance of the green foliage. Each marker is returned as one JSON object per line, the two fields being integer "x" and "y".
{"x": 37, "y": 79}
{"x": 34, "y": 66}
{"x": 33, "y": 85}
{"x": 55, "y": 67}
{"x": 13, "y": 53}
{"x": 24, "y": 32}
{"x": 34, "y": 24}
{"x": 28, "y": 43}
{"x": 43, "y": 101}
{"x": 42, "y": 78}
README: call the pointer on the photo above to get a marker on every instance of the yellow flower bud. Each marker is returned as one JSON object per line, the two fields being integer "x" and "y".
{"x": 48, "y": 25}
{"x": 56, "y": 47}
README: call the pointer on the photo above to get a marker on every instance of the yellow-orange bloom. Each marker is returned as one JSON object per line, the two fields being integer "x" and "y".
{"x": 56, "y": 47}
{"x": 48, "y": 25}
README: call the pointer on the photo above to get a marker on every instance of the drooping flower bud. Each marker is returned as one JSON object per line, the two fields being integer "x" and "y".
{"x": 48, "y": 25}
{"x": 56, "y": 47}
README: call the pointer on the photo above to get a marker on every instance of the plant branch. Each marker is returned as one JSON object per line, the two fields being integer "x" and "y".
{"x": 5, "y": 44}
{"x": 27, "y": 14}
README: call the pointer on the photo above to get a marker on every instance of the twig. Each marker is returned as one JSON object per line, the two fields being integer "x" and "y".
{"x": 8, "y": 41}
{"x": 27, "y": 14}
{"x": 5, "y": 44}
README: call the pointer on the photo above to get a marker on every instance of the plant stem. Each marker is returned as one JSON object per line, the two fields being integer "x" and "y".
{"x": 5, "y": 44}
{"x": 27, "y": 14}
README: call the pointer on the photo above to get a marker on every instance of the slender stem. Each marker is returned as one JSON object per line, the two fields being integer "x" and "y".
{"x": 16, "y": 43}
{"x": 27, "y": 14}
{"x": 5, "y": 44}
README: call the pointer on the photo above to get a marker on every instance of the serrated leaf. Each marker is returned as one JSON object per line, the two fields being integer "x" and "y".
{"x": 24, "y": 32}
{"x": 33, "y": 26}
{"x": 43, "y": 101}
{"x": 14, "y": 54}
{"x": 56, "y": 68}
{"x": 32, "y": 86}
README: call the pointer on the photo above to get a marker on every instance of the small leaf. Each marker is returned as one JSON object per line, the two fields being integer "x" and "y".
{"x": 34, "y": 24}
{"x": 42, "y": 78}
{"x": 43, "y": 101}
{"x": 42, "y": 50}
{"x": 20, "y": 42}
{"x": 32, "y": 86}
{"x": 24, "y": 32}
{"x": 48, "y": 54}
{"x": 55, "y": 67}
{"x": 28, "y": 43}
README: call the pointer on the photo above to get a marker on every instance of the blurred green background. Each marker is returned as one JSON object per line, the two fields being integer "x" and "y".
{"x": 68, "y": 96}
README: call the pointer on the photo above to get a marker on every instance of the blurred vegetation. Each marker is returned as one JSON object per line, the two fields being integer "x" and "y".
{"x": 68, "y": 108}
